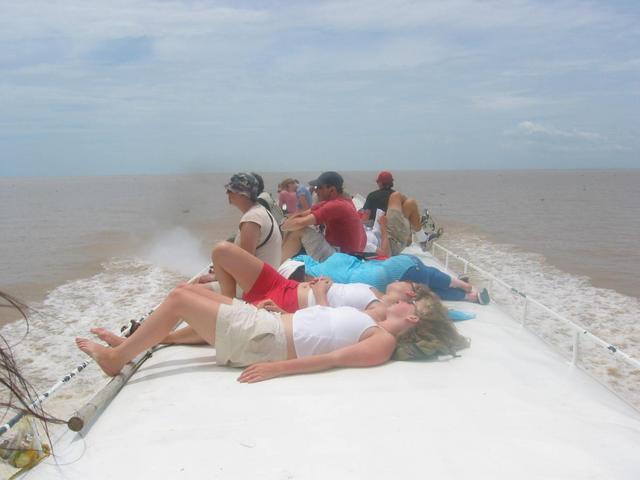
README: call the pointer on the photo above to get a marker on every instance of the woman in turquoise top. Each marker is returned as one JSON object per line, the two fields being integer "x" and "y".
{"x": 343, "y": 268}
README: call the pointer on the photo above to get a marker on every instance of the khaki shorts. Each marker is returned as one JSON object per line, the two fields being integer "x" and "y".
{"x": 316, "y": 245}
{"x": 246, "y": 335}
{"x": 399, "y": 231}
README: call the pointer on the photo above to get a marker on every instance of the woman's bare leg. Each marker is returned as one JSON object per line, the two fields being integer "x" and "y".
{"x": 384, "y": 249}
{"x": 411, "y": 211}
{"x": 200, "y": 312}
{"x": 108, "y": 337}
{"x": 235, "y": 265}
{"x": 457, "y": 283}
{"x": 472, "y": 297}
{"x": 205, "y": 291}
{"x": 395, "y": 201}
{"x": 409, "y": 208}
{"x": 183, "y": 336}
{"x": 291, "y": 244}
{"x": 187, "y": 335}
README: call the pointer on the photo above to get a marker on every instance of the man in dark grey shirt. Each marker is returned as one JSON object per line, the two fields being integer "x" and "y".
{"x": 379, "y": 199}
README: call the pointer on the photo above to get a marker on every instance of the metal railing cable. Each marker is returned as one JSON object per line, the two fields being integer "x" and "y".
{"x": 579, "y": 331}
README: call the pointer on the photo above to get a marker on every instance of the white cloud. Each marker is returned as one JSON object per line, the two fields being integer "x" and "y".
{"x": 504, "y": 102}
{"x": 538, "y": 130}
{"x": 79, "y": 19}
{"x": 562, "y": 140}
{"x": 565, "y": 66}
{"x": 119, "y": 18}
{"x": 342, "y": 70}
{"x": 552, "y": 67}
{"x": 393, "y": 54}
{"x": 625, "y": 66}
{"x": 395, "y": 14}
{"x": 540, "y": 137}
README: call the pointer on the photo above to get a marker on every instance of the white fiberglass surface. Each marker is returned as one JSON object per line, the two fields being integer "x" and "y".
{"x": 509, "y": 407}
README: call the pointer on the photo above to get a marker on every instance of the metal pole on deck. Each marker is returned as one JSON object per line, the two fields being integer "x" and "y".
{"x": 89, "y": 410}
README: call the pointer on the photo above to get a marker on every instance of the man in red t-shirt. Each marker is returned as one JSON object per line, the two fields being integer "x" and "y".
{"x": 344, "y": 231}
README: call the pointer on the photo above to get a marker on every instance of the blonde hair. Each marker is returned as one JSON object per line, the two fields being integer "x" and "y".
{"x": 434, "y": 335}
{"x": 286, "y": 182}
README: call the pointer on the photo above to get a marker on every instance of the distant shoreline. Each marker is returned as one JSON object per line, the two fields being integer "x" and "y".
{"x": 305, "y": 172}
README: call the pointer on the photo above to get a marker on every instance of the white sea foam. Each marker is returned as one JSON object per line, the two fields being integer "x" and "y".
{"x": 126, "y": 289}
{"x": 608, "y": 314}
{"x": 177, "y": 250}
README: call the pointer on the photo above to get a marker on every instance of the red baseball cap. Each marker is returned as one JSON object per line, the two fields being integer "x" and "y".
{"x": 384, "y": 177}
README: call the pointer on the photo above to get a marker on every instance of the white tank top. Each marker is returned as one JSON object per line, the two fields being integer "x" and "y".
{"x": 356, "y": 295}
{"x": 319, "y": 329}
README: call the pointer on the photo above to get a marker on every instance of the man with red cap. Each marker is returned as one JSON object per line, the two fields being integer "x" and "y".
{"x": 402, "y": 212}
{"x": 379, "y": 199}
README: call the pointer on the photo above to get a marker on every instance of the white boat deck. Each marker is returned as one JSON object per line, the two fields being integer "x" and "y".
{"x": 508, "y": 408}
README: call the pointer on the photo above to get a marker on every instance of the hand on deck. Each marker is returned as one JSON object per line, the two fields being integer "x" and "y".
{"x": 259, "y": 372}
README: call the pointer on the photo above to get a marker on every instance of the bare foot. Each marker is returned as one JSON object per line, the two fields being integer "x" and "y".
{"x": 103, "y": 356}
{"x": 108, "y": 337}
{"x": 472, "y": 297}
{"x": 207, "y": 278}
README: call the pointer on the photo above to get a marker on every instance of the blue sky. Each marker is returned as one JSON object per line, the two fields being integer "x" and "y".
{"x": 140, "y": 86}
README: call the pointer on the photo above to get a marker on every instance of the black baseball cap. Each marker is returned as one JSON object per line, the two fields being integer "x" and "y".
{"x": 332, "y": 179}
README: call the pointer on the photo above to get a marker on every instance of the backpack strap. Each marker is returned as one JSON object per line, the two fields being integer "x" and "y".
{"x": 270, "y": 231}
{"x": 264, "y": 203}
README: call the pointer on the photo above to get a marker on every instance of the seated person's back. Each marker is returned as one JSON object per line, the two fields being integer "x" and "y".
{"x": 379, "y": 199}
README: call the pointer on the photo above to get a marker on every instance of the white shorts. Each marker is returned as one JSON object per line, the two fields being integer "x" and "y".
{"x": 246, "y": 335}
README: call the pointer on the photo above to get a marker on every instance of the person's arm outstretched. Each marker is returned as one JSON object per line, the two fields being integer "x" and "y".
{"x": 373, "y": 350}
{"x": 298, "y": 222}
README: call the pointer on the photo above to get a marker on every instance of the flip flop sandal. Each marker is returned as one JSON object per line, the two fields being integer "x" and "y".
{"x": 483, "y": 297}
